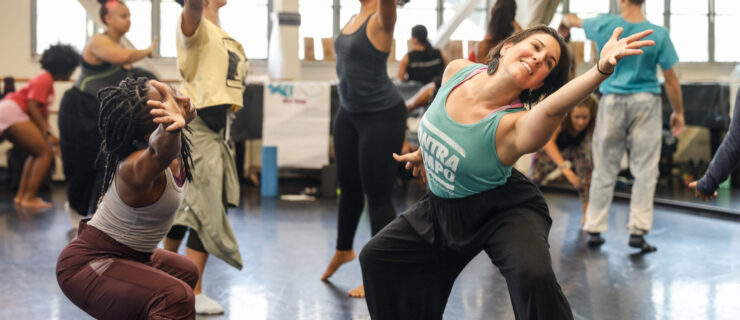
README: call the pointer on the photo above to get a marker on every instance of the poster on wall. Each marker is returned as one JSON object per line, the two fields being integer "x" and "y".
{"x": 296, "y": 120}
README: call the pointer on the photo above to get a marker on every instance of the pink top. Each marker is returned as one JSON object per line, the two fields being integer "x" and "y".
{"x": 514, "y": 104}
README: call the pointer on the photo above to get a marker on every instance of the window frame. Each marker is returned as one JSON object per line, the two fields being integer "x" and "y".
{"x": 336, "y": 7}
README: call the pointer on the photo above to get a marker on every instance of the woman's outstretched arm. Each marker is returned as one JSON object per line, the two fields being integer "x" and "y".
{"x": 724, "y": 161}
{"x": 172, "y": 114}
{"x": 192, "y": 13}
{"x": 532, "y": 130}
{"x": 112, "y": 52}
{"x": 387, "y": 14}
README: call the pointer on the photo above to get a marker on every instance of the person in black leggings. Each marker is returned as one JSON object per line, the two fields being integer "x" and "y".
{"x": 368, "y": 127}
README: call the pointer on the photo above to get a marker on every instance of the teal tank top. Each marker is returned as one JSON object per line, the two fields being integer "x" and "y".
{"x": 460, "y": 159}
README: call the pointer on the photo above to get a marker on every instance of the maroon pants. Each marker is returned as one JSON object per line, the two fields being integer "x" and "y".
{"x": 109, "y": 280}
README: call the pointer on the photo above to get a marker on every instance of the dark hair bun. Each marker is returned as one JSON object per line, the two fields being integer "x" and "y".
{"x": 180, "y": 2}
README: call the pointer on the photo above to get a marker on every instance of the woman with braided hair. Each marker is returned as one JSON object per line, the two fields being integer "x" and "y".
{"x": 113, "y": 268}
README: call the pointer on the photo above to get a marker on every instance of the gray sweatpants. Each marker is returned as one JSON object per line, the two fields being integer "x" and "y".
{"x": 625, "y": 122}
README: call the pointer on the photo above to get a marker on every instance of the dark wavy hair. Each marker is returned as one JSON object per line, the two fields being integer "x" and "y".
{"x": 104, "y": 8}
{"x": 501, "y": 25}
{"x": 124, "y": 122}
{"x": 557, "y": 77}
{"x": 60, "y": 59}
{"x": 420, "y": 33}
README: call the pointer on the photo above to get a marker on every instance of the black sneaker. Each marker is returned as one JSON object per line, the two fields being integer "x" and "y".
{"x": 638, "y": 241}
{"x": 595, "y": 239}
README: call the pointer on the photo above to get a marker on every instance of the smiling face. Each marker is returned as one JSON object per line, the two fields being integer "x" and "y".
{"x": 531, "y": 60}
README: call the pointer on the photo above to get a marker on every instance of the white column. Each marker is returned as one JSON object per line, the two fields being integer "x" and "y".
{"x": 445, "y": 31}
{"x": 282, "y": 59}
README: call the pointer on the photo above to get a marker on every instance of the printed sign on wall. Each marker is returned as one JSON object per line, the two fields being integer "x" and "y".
{"x": 296, "y": 120}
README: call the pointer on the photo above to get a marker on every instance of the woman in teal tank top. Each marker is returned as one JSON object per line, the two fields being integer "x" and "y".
{"x": 471, "y": 136}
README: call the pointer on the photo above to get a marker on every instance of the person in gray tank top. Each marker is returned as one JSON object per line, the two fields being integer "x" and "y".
{"x": 368, "y": 127}
{"x": 113, "y": 268}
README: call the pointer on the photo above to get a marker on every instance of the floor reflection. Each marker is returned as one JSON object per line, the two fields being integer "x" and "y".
{"x": 695, "y": 274}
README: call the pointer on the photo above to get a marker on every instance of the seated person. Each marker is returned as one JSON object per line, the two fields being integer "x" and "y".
{"x": 423, "y": 62}
{"x": 568, "y": 153}
{"x": 416, "y": 106}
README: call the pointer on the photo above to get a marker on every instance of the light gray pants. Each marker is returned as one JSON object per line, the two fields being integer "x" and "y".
{"x": 625, "y": 122}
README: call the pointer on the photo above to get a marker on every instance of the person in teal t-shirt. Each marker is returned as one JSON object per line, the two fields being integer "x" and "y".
{"x": 474, "y": 131}
{"x": 629, "y": 118}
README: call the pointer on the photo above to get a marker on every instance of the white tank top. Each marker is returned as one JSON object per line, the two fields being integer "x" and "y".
{"x": 141, "y": 228}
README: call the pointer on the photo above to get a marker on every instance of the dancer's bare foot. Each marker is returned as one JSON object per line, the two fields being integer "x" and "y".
{"x": 34, "y": 203}
{"x": 17, "y": 200}
{"x": 340, "y": 257}
{"x": 358, "y": 292}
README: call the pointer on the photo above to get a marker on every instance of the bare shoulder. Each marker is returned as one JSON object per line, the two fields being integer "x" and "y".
{"x": 100, "y": 38}
{"x": 453, "y": 67}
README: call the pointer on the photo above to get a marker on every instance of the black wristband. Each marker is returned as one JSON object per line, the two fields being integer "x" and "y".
{"x": 602, "y": 72}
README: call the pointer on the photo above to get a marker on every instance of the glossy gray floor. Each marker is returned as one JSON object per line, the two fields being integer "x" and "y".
{"x": 285, "y": 246}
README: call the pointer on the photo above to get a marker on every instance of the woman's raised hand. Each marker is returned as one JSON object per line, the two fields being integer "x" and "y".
{"x": 616, "y": 49}
{"x": 183, "y": 101}
{"x": 171, "y": 111}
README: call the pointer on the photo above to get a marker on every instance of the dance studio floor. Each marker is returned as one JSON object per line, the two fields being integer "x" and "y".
{"x": 695, "y": 274}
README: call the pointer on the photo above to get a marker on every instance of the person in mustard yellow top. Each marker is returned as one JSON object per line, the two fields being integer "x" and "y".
{"x": 213, "y": 66}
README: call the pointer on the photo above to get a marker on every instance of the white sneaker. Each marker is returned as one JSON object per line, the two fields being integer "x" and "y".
{"x": 206, "y": 305}
{"x": 74, "y": 217}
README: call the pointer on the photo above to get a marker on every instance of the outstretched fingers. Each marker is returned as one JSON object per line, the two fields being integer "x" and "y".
{"x": 156, "y": 105}
{"x": 625, "y": 53}
{"x": 161, "y": 87}
{"x": 402, "y": 158}
{"x": 637, "y": 36}
{"x": 616, "y": 33}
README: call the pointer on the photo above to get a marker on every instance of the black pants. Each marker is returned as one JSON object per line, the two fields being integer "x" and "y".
{"x": 177, "y": 232}
{"x": 79, "y": 140}
{"x": 408, "y": 269}
{"x": 364, "y": 144}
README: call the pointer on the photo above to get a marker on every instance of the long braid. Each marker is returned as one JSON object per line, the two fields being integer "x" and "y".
{"x": 123, "y": 123}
